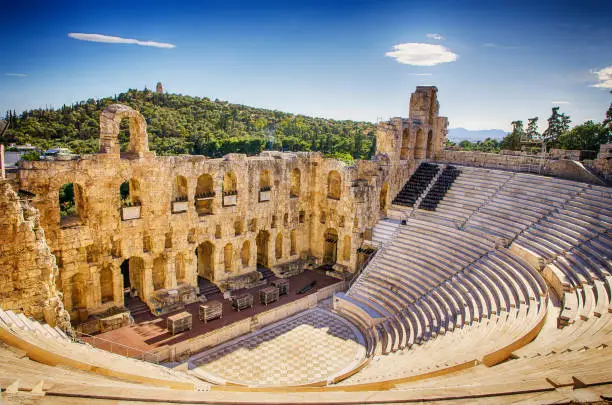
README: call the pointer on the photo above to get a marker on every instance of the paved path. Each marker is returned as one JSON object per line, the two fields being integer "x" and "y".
{"x": 309, "y": 347}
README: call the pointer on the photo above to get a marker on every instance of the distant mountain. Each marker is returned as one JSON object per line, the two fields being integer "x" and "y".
{"x": 461, "y": 134}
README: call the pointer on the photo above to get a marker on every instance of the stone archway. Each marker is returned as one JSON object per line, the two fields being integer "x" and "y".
{"x": 330, "y": 247}
{"x": 132, "y": 270}
{"x": 262, "y": 241}
{"x": 206, "y": 260}
{"x": 110, "y": 121}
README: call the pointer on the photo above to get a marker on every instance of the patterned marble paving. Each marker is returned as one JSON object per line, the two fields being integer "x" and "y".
{"x": 309, "y": 347}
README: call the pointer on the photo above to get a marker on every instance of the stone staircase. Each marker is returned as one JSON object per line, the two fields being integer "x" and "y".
{"x": 267, "y": 274}
{"x": 207, "y": 287}
{"x": 136, "y": 306}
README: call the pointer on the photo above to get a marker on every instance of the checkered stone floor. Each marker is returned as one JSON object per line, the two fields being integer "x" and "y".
{"x": 309, "y": 347}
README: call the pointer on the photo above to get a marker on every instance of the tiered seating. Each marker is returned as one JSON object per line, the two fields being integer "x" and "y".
{"x": 468, "y": 192}
{"x": 51, "y": 346}
{"x": 439, "y": 189}
{"x": 417, "y": 183}
{"x": 581, "y": 219}
{"x": 523, "y": 200}
{"x": 383, "y": 230}
{"x": 430, "y": 279}
{"x": 492, "y": 306}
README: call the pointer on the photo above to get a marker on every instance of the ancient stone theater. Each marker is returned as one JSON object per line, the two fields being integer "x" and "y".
{"x": 424, "y": 274}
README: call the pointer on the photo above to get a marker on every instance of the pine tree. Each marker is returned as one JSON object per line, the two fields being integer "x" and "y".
{"x": 532, "y": 133}
{"x": 558, "y": 124}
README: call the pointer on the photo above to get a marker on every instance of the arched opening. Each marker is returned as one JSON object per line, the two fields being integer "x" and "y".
{"x": 159, "y": 273}
{"x": 286, "y": 220}
{"x": 71, "y": 204}
{"x": 204, "y": 195}
{"x": 230, "y": 189}
{"x": 384, "y": 197}
{"x": 179, "y": 189}
{"x": 429, "y": 151}
{"x": 228, "y": 257}
{"x": 293, "y": 248}
{"x": 330, "y": 250}
{"x": 206, "y": 264}
{"x": 346, "y": 249}
{"x": 238, "y": 227}
{"x": 278, "y": 248}
{"x": 77, "y": 292}
{"x": 113, "y": 120}
{"x": 132, "y": 271}
{"x": 245, "y": 253}
{"x": 107, "y": 293}
{"x": 179, "y": 268}
{"x": 262, "y": 240}
{"x": 404, "y": 151}
{"x": 265, "y": 186}
{"x": 129, "y": 193}
{"x": 334, "y": 185}
{"x": 296, "y": 179}
{"x": 419, "y": 145}
{"x": 302, "y": 217}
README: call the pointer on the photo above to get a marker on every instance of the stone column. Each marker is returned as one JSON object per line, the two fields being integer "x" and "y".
{"x": 170, "y": 281}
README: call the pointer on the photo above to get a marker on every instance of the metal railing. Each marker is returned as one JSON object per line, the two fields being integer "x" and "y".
{"x": 116, "y": 348}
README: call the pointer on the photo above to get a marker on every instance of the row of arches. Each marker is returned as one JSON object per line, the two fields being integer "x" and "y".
{"x": 422, "y": 149}
{"x": 71, "y": 197}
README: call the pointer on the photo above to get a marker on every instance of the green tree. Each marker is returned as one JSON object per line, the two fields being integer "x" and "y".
{"x": 512, "y": 141}
{"x": 558, "y": 124}
{"x": 588, "y": 136}
{"x": 532, "y": 133}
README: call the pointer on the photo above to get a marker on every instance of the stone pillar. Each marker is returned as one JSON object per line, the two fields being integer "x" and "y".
{"x": 147, "y": 280}
{"x": 170, "y": 281}
{"x": 117, "y": 286}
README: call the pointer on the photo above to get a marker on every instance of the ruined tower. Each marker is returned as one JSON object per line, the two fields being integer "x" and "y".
{"x": 159, "y": 88}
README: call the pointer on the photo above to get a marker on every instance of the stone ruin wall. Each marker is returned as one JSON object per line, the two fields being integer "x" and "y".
{"x": 27, "y": 267}
{"x": 91, "y": 247}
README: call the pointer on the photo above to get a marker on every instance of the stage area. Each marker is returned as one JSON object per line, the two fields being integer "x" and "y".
{"x": 149, "y": 332}
{"x": 307, "y": 348}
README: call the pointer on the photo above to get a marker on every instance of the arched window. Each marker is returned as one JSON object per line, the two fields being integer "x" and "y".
{"x": 296, "y": 175}
{"x": 279, "y": 246}
{"x": 238, "y": 227}
{"x": 204, "y": 195}
{"x": 330, "y": 246}
{"x": 230, "y": 184}
{"x": 106, "y": 285}
{"x": 228, "y": 257}
{"x": 334, "y": 185}
{"x": 404, "y": 151}
{"x": 293, "y": 250}
{"x": 115, "y": 122}
{"x": 245, "y": 254}
{"x": 71, "y": 204}
{"x": 179, "y": 189}
{"x": 265, "y": 181}
{"x": 77, "y": 292}
{"x": 346, "y": 254}
{"x": 129, "y": 193}
{"x": 230, "y": 189}
{"x": 206, "y": 260}
{"x": 286, "y": 220}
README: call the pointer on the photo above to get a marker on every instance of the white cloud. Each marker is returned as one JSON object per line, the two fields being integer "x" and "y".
{"x": 16, "y": 74}
{"x": 118, "y": 40}
{"x": 419, "y": 54}
{"x": 560, "y": 102}
{"x": 420, "y": 74}
{"x": 605, "y": 78}
{"x": 437, "y": 37}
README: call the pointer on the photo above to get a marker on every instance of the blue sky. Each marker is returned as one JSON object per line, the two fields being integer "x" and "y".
{"x": 493, "y": 62}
